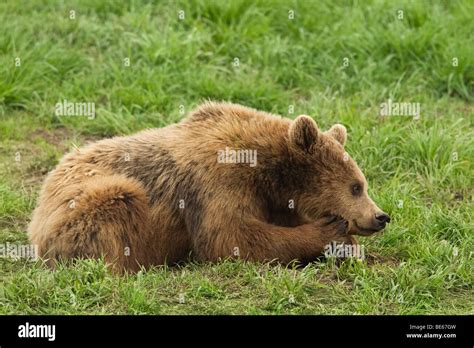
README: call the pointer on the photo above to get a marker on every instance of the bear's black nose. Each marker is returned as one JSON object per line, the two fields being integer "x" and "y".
{"x": 382, "y": 218}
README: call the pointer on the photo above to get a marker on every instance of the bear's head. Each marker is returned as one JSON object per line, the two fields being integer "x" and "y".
{"x": 331, "y": 181}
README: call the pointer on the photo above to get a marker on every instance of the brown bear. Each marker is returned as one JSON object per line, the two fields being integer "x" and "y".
{"x": 227, "y": 181}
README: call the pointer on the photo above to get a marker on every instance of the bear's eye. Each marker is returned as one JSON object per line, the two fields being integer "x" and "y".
{"x": 356, "y": 189}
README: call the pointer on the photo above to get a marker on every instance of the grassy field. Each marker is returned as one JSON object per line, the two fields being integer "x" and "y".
{"x": 337, "y": 61}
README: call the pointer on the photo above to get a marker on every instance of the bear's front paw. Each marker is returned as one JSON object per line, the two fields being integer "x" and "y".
{"x": 347, "y": 239}
{"x": 333, "y": 226}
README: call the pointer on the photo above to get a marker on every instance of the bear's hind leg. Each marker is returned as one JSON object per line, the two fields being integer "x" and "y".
{"x": 109, "y": 218}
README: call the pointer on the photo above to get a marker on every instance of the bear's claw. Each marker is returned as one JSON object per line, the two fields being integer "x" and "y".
{"x": 337, "y": 224}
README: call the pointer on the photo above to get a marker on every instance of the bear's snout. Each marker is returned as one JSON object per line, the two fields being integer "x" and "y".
{"x": 381, "y": 219}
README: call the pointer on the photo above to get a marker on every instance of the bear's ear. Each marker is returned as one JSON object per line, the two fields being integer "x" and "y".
{"x": 303, "y": 133}
{"x": 338, "y": 132}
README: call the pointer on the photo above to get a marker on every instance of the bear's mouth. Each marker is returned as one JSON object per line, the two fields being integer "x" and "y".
{"x": 354, "y": 228}
{"x": 362, "y": 231}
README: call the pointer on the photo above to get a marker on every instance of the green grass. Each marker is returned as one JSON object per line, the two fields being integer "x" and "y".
{"x": 422, "y": 264}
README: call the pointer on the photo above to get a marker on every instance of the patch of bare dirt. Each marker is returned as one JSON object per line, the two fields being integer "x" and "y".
{"x": 377, "y": 259}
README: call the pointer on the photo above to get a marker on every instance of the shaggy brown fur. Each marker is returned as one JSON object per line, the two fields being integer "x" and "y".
{"x": 160, "y": 195}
